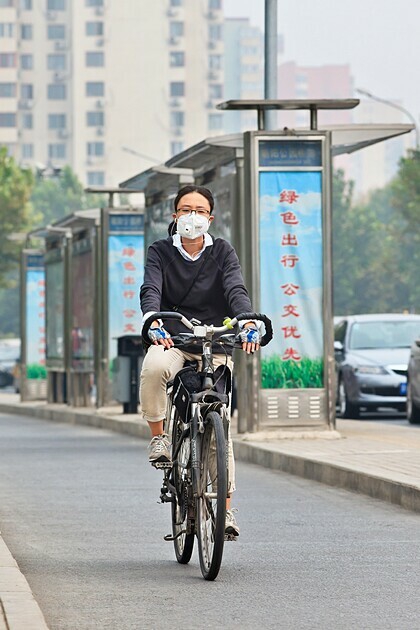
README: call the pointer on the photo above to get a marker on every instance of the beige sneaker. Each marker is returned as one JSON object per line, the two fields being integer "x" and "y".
{"x": 159, "y": 449}
{"x": 231, "y": 527}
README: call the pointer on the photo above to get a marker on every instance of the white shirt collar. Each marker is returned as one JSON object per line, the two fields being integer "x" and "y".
{"x": 176, "y": 241}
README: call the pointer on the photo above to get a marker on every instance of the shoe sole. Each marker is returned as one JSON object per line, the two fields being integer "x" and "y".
{"x": 229, "y": 531}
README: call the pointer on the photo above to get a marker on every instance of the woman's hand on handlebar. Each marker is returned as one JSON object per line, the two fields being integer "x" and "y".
{"x": 159, "y": 336}
{"x": 250, "y": 337}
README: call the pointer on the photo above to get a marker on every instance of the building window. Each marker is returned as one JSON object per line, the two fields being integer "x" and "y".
{"x": 27, "y": 62}
{"x": 177, "y": 59}
{"x": 176, "y": 29}
{"x": 215, "y": 31}
{"x": 216, "y": 91}
{"x": 215, "y": 4}
{"x": 95, "y": 59}
{"x": 177, "y": 119}
{"x": 215, "y": 121}
{"x": 26, "y": 5}
{"x": 56, "y": 62}
{"x": 26, "y": 31}
{"x": 95, "y": 119}
{"x": 56, "y": 5}
{"x": 57, "y": 121}
{"x": 27, "y": 151}
{"x": 57, "y": 151}
{"x": 94, "y": 3}
{"x": 56, "y": 31}
{"x": 27, "y": 91}
{"x": 56, "y": 92}
{"x": 177, "y": 3}
{"x": 96, "y": 178}
{"x": 6, "y": 3}
{"x": 7, "y": 119}
{"x": 215, "y": 62}
{"x": 177, "y": 88}
{"x": 94, "y": 28}
{"x": 27, "y": 121}
{"x": 176, "y": 147}
{"x": 95, "y": 149}
{"x": 6, "y": 29}
{"x": 7, "y": 60}
{"x": 95, "y": 88}
{"x": 7, "y": 90}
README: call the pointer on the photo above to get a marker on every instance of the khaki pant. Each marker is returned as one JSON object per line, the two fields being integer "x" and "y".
{"x": 159, "y": 367}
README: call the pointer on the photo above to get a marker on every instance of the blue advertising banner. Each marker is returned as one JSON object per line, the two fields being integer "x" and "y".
{"x": 125, "y": 275}
{"x": 35, "y": 323}
{"x": 291, "y": 279}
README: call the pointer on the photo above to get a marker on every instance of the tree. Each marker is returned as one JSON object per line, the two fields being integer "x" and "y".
{"x": 61, "y": 195}
{"x": 15, "y": 212}
{"x": 359, "y": 238}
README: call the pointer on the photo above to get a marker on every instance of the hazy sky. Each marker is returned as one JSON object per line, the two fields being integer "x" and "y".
{"x": 379, "y": 39}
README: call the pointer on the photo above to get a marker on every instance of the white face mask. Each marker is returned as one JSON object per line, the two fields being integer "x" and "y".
{"x": 192, "y": 225}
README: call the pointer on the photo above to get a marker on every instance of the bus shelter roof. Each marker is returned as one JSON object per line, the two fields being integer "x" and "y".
{"x": 219, "y": 150}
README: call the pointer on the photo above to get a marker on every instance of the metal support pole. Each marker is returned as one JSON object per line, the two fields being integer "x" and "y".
{"x": 262, "y": 118}
{"x": 270, "y": 67}
{"x": 314, "y": 118}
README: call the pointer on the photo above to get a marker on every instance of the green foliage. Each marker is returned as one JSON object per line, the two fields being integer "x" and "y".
{"x": 15, "y": 216}
{"x": 376, "y": 244}
{"x": 35, "y": 371}
{"x": 276, "y": 373}
{"x": 56, "y": 197}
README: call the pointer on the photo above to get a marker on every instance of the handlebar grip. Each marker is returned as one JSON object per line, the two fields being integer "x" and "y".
{"x": 152, "y": 318}
{"x": 268, "y": 335}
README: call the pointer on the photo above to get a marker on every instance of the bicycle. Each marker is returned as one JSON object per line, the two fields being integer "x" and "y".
{"x": 197, "y": 421}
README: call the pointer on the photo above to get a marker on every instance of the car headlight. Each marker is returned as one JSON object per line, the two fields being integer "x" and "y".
{"x": 371, "y": 369}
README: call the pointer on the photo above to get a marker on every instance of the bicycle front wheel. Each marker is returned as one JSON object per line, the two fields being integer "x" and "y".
{"x": 181, "y": 498}
{"x": 212, "y": 494}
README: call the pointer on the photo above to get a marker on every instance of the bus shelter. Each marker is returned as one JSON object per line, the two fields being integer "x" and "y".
{"x": 278, "y": 209}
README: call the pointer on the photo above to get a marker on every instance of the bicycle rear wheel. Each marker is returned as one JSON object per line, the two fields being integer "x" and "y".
{"x": 181, "y": 527}
{"x": 212, "y": 493}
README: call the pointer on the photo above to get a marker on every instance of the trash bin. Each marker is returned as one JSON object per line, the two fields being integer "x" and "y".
{"x": 126, "y": 371}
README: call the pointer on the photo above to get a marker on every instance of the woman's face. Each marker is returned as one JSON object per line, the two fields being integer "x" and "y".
{"x": 193, "y": 202}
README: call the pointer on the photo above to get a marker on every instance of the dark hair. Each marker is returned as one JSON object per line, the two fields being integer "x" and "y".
{"x": 185, "y": 190}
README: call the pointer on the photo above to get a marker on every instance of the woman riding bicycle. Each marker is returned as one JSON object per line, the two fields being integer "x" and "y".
{"x": 201, "y": 276}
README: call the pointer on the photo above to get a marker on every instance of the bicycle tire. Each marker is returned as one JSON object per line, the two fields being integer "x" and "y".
{"x": 212, "y": 494}
{"x": 183, "y": 542}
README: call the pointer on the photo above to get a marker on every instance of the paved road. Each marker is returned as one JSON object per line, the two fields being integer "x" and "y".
{"x": 78, "y": 511}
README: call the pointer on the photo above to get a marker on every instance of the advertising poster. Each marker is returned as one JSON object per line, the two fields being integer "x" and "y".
{"x": 55, "y": 310}
{"x": 291, "y": 278}
{"x": 125, "y": 274}
{"x": 83, "y": 290}
{"x": 35, "y": 319}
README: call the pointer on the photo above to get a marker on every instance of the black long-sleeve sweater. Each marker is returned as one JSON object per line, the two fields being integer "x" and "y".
{"x": 218, "y": 290}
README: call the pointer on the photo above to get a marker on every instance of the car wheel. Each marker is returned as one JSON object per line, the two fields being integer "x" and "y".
{"x": 413, "y": 411}
{"x": 346, "y": 408}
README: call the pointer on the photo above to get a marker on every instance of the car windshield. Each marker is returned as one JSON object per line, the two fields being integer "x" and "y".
{"x": 383, "y": 334}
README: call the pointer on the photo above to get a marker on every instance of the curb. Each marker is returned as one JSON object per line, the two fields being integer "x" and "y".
{"x": 346, "y": 477}
{"x": 18, "y": 607}
{"x": 404, "y": 495}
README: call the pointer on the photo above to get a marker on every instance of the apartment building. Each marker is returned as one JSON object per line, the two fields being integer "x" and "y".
{"x": 109, "y": 87}
{"x": 244, "y": 70}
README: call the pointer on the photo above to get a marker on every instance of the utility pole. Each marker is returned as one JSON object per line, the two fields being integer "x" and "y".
{"x": 270, "y": 65}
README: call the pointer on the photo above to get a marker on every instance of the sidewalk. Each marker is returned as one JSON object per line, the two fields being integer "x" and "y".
{"x": 376, "y": 459}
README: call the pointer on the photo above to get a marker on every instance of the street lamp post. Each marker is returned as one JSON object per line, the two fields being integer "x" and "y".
{"x": 396, "y": 106}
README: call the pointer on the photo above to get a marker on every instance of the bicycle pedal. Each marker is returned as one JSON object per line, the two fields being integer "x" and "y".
{"x": 230, "y": 537}
{"x": 162, "y": 465}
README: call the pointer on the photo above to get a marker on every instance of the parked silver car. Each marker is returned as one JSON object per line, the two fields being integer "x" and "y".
{"x": 372, "y": 353}
{"x": 413, "y": 384}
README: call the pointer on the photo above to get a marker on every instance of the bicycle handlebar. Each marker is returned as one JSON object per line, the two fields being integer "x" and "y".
{"x": 202, "y": 330}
